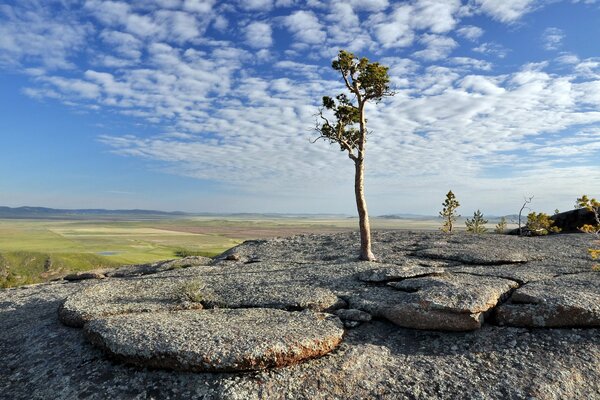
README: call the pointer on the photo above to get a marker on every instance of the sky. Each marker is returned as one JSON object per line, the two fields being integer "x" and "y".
{"x": 209, "y": 106}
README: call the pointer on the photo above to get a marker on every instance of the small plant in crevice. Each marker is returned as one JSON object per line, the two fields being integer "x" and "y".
{"x": 476, "y": 224}
{"x": 501, "y": 225}
{"x": 448, "y": 212}
{"x": 593, "y": 206}
{"x": 192, "y": 291}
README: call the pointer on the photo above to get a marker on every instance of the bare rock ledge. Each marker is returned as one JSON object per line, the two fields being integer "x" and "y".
{"x": 217, "y": 340}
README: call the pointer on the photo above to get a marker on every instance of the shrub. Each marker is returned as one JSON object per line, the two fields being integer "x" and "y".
{"x": 593, "y": 206}
{"x": 448, "y": 213}
{"x": 476, "y": 224}
{"x": 540, "y": 224}
{"x": 191, "y": 291}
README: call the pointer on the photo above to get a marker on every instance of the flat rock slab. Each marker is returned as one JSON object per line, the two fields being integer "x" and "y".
{"x": 217, "y": 340}
{"x": 392, "y": 272}
{"x": 470, "y": 254}
{"x": 111, "y": 297}
{"x": 566, "y": 301}
{"x": 153, "y": 268}
{"x": 447, "y": 302}
{"x": 240, "y": 294}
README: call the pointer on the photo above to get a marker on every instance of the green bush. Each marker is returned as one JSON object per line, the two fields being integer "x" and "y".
{"x": 476, "y": 224}
{"x": 540, "y": 224}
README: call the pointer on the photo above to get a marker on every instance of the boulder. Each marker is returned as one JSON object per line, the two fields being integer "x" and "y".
{"x": 216, "y": 340}
{"x": 565, "y": 301}
{"x": 571, "y": 221}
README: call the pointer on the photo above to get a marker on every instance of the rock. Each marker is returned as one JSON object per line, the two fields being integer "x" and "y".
{"x": 153, "y": 268}
{"x": 448, "y": 302}
{"x": 565, "y": 301}
{"x": 113, "y": 297}
{"x": 232, "y": 294}
{"x": 84, "y": 275}
{"x": 353, "y": 315}
{"x": 571, "y": 221}
{"x": 42, "y": 358}
{"x": 233, "y": 257}
{"x": 217, "y": 340}
{"x": 396, "y": 272}
{"x": 474, "y": 255}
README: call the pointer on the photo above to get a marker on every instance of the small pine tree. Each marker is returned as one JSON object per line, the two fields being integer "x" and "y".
{"x": 501, "y": 226}
{"x": 540, "y": 224}
{"x": 476, "y": 224}
{"x": 448, "y": 213}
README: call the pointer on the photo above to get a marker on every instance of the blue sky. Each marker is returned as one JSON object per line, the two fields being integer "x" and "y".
{"x": 200, "y": 105}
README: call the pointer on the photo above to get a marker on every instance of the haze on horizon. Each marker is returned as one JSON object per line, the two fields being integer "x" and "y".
{"x": 208, "y": 106}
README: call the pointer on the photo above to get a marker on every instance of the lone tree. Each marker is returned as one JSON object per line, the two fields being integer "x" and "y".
{"x": 366, "y": 81}
{"x": 476, "y": 224}
{"x": 448, "y": 213}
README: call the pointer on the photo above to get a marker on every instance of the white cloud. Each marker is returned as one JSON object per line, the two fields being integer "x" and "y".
{"x": 437, "y": 47}
{"x": 35, "y": 37}
{"x": 505, "y": 10}
{"x": 306, "y": 27}
{"x": 256, "y": 5}
{"x": 258, "y": 35}
{"x": 553, "y": 38}
{"x": 492, "y": 48}
{"x": 470, "y": 32}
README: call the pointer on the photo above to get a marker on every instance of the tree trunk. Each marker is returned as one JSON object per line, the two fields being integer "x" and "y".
{"x": 363, "y": 214}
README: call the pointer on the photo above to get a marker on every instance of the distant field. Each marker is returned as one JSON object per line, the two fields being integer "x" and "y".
{"x": 38, "y": 250}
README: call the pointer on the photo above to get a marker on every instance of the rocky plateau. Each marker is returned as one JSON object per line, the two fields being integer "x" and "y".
{"x": 436, "y": 317}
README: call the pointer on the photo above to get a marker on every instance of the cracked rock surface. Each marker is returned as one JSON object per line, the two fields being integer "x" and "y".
{"x": 162, "y": 318}
{"x": 569, "y": 300}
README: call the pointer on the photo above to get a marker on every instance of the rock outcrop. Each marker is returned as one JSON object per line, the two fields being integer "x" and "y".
{"x": 312, "y": 322}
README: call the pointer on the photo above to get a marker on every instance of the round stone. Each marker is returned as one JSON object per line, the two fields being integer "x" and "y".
{"x": 216, "y": 339}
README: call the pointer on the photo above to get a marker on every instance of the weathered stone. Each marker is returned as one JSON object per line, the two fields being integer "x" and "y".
{"x": 113, "y": 297}
{"x": 79, "y": 276}
{"x": 153, "y": 268}
{"x": 448, "y": 302}
{"x": 353, "y": 315}
{"x": 396, "y": 272}
{"x": 566, "y": 301}
{"x": 41, "y": 358}
{"x": 239, "y": 294}
{"x": 469, "y": 254}
{"x": 217, "y": 340}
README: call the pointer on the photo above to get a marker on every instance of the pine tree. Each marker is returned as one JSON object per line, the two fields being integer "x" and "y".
{"x": 367, "y": 82}
{"x": 501, "y": 226}
{"x": 593, "y": 206}
{"x": 476, "y": 225}
{"x": 448, "y": 213}
{"x": 540, "y": 224}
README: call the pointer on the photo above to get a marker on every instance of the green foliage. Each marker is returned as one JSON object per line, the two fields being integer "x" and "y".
{"x": 501, "y": 226}
{"x": 593, "y": 206}
{"x": 448, "y": 212}
{"x": 191, "y": 291}
{"x": 365, "y": 81}
{"x": 540, "y": 224}
{"x": 476, "y": 224}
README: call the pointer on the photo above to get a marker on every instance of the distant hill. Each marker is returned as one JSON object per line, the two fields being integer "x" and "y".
{"x": 53, "y": 213}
